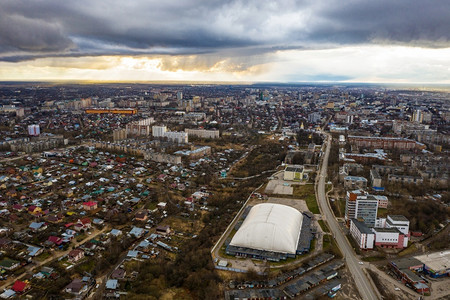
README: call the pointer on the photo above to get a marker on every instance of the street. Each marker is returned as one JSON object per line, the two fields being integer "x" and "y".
{"x": 362, "y": 282}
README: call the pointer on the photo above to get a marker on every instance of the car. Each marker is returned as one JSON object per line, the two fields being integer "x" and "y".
{"x": 361, "y": 263}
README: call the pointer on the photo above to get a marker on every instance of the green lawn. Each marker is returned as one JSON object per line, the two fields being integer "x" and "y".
{"x": 43, "y": 256}
{"x": 307, "y": 193}
{"x": 354, "y": 244}
{"x": 86, "y": 266}
{"x": 323, "y": 226}
{"x": 80, "y": 237}
{"x": 374, "y": 258}
{"x": 329, "y": 245}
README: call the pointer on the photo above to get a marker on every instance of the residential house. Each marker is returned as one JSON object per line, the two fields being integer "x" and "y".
{"x": 112, "y": 284}
{"x": 54, "y": 219}
{"x": 116, "y": 232}
{"x": 77, "y": 287}
{"x": 163, "y": 230}
{"x": 18, "y": 207}
{"x": 9, "y": 264}
{"x": 54, "y": 240}
{"x": 90, "y": 205}
{"x": 34, "y": 210}
{"x": 34, "y": 251}
{"x": 21, "y": 286}
{"x": 137, "y": 232}
{"x": 141, "y": 215}
{"x": 83, "y": 224}
{"x": 5, "y": 243}
{"x": 118, "y": 274}
{"x": 75, "y": 255}
{"x": 34, "y": 226}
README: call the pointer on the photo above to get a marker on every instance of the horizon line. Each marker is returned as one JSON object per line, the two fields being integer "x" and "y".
{"x": 225, "y": 82}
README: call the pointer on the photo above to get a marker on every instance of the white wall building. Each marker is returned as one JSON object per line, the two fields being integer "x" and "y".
{"x": 390, "y": 232}
{"x": 362, "y": 234}
{"x": 34, "y": 130}
{"x": 401, "y": 223}
{"x": 202, "y": 133}
{"x": 159, "y": 131}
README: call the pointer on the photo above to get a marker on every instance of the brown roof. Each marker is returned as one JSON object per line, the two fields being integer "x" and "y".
{"x": 75, "y": 252}
{"x": 118, "y": 273}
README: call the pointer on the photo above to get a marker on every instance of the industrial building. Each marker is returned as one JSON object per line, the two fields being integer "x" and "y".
{"x": 406, "y": 270}
{"x": 121, "y": 111}
{"x": 436, "y": 264}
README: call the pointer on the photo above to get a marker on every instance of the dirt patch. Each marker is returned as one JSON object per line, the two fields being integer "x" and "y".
{"x": 348, "y": 290}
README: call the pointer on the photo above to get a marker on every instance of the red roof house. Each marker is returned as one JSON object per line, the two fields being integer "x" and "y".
{"x": 20, "y": 286}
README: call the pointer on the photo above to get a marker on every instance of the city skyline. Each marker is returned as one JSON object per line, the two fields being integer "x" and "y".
{"x": 287, "y": 41}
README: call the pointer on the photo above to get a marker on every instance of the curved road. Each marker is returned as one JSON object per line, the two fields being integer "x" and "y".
{"x": 362, "y": 282}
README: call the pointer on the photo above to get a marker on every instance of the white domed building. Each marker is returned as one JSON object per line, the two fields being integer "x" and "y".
{"x": 271, "y": 231}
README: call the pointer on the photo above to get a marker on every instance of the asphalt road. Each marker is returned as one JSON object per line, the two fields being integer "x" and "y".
{"x": 362, "y": 282}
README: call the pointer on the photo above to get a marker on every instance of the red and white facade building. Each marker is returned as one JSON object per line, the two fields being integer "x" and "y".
{"x": 392, "y": 232}
{"x": 389, "y": 238}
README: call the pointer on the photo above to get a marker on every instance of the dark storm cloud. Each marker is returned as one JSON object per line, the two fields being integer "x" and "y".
{"x": 30, "y": 29}
{"x": 420, "y": 23}
{"x": 30, "y": 35}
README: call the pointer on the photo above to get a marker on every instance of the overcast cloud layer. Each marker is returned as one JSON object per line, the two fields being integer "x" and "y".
{"x": 201, "y": 34}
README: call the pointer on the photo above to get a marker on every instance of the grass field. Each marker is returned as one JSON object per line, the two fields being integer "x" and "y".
{"x": 323, "y": 226}
{"x": 410, "y": 250}
{"x": 307, "y": 193}
{"x": 374, "y": 258}
{"x": 329, "y": 245}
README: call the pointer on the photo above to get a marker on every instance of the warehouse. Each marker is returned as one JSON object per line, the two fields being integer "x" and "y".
{"x": 436, "y": 264}
{"x": 270, "y": 231}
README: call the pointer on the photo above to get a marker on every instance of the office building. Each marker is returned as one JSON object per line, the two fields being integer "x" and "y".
{"x": 362, "y": 234}
{"x": 360, "y": 206}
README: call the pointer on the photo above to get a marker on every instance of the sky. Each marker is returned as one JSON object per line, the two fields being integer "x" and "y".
{"x": 383, "y": 41}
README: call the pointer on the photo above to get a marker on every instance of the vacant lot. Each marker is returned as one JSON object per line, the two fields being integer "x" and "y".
{"x": 307, "y": 193}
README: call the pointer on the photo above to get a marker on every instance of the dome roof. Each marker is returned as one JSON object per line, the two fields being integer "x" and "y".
{"x": 270, "y": 227}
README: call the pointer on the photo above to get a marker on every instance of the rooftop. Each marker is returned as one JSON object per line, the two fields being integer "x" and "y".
{"x": 398, "y": 218}
{"x": 272, "y": 227}
{"x": 436, "y": 261}
{"x": 361, "y": 226}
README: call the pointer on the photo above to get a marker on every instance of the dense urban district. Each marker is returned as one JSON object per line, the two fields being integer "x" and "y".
{"x": 146, "y": 191}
